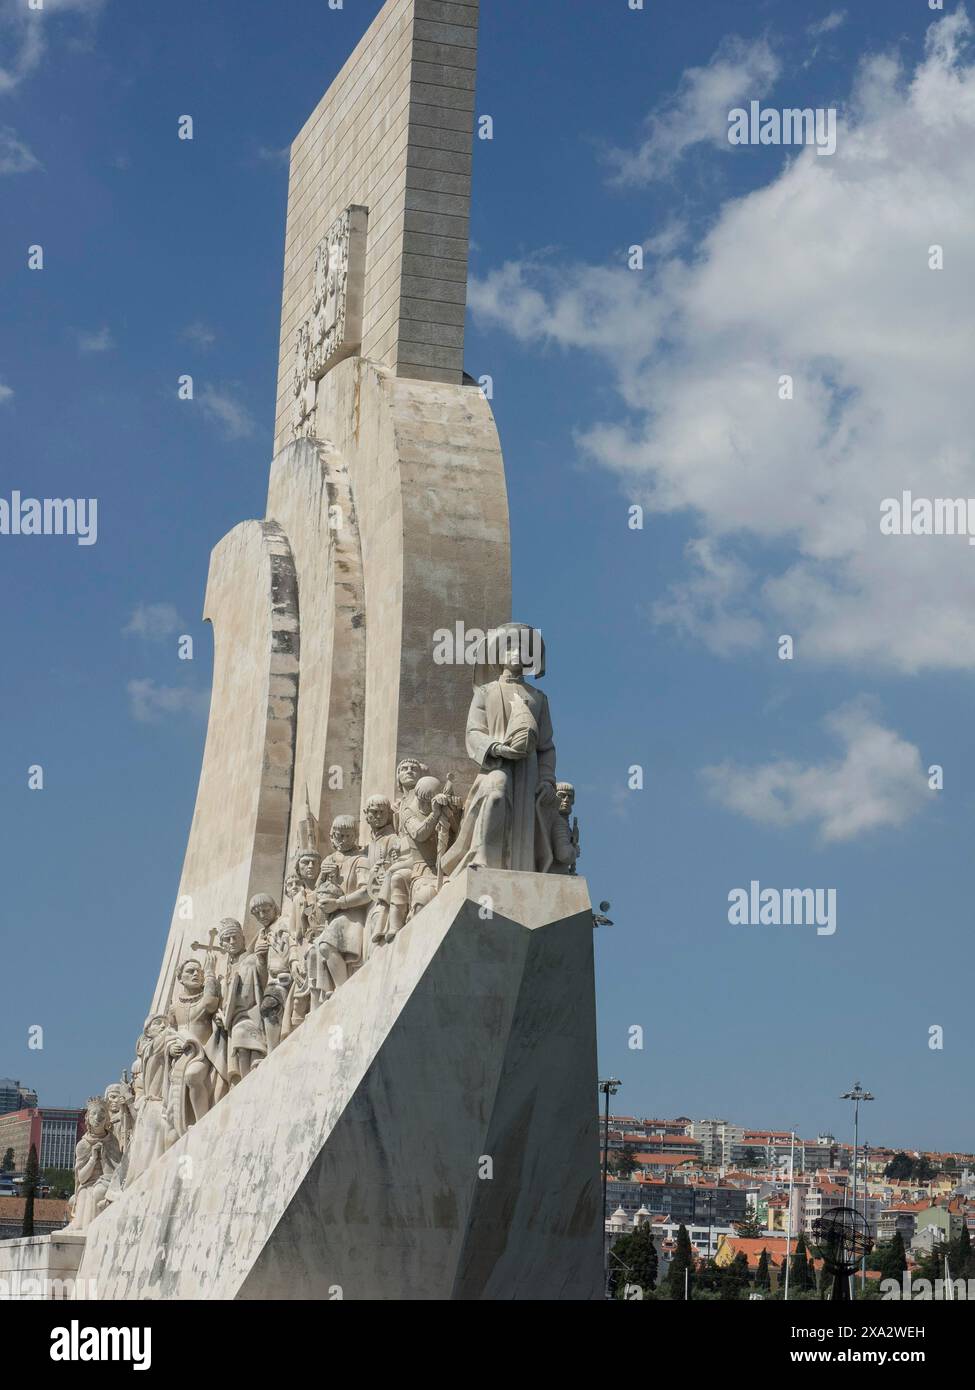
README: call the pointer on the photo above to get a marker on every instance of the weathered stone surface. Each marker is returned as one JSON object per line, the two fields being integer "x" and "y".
{"x": 429, "y": 1133}
{"x": 238, "y": 837}
{"x": 408, "y": 84}
{"x": 37, "y": 1268}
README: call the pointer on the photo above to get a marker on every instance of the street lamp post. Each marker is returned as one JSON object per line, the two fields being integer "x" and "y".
{"x": 788, "y": 1224}
{"x": 866, "y": 1175}
{"x": 607, "y": 1088}
{"x": 857, "y": 1095}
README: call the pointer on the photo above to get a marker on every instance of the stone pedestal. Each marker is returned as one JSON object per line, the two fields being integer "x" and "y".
{"x": 428, "y": 1133}
{"x": 43, "y": 1267}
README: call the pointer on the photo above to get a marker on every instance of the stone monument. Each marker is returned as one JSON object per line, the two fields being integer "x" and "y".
{"x": 385, "y": 1087}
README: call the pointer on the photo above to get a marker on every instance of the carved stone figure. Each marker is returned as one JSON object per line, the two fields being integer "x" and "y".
{"x": 240, "y": 1043}
{"x": 382, "y": 849}
{"x": 304, "y": 927}
{"x": 192, "y": 1079}
{"x": 564, "y": 831}
{"x": 282, "y": 956}
{"x": 120, "y": 1099}
{"x": 412, "y": 880}
{"x": 408, "y": 773}
{"x": 343, "y": 901}
{"x": 149, "y": 1135}
{"x": 334, "y": 326}
{"x": 300, "y": 888}
{"x": 97, "y": 1156}
{"x": 506, "y": 821}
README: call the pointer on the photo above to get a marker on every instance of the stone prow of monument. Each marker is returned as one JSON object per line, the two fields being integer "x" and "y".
{"x": 428, "y": 1129}
{"x": 387, "y": 514}
{"x": 430, "y": 1132}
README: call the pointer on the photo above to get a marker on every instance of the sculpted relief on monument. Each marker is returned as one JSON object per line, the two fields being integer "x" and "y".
{"x": 344, "y": 903}
{"x": 333, "y": 328}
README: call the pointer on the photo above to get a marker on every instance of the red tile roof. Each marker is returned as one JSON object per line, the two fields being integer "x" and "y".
{"x": 47, "y": 1209}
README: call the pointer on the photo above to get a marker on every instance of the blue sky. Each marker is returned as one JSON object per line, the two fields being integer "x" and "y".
{"x": 612, "y": 388}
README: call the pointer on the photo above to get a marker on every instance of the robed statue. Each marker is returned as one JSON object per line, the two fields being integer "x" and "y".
{"x": 506, "y": 821}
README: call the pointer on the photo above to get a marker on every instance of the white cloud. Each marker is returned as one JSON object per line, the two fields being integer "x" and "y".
{"x": 821, "y": 274}
{"x": 230, "y": 416}
{"x": 879, "y": 782}
{"x": 155, "y": 621}
{"x": 24, "y": 33}
{"x": 827, "y": 24}
{"x": 705, "y": 607}
{"x": 98, "y": 340}
{"x": 738, "y": 71}
{"x": 15, "y": 156}
{"x": 149, "y": 702}
{"x": 200, "y": 335}
{"x": 270, "y": 154}
{"x": 6, "y": 393}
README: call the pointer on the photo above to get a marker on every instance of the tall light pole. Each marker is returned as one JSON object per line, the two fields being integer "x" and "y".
{"x": 707, "y": 1196}
{"x": 607, "y": 1088}
{"x": 857, "y": 1095}
{"x": 866, "y": 1176}
{"x": 788, "y": 1224}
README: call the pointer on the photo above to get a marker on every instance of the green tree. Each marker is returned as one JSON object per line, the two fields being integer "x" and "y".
{"x": 921, "y": 1169}
{"x": 892, "y": 1257}
{"x": 59, "y": 1180}
{"x": 30, "y": 1187}
{"x": 8, "y": 1164}
{"x": 623, "y": 1161}
{"x": 633, "y": 1260}
{"x": 960, "y": 1254}
{"x": 708, "y": 1278}
{"x": 899, "y": 1167}
{"x": 763, "y": 1279}
{"x": 681, "y": 1264}
{"x": 750, "y": 1229}
{"x": 932, "y": 1265}
{"x": 735, "y": 1277}
{"x": 802, "y": 1274}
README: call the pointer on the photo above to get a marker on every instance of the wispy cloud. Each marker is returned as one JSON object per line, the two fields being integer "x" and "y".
{"x": 149, "y": 702}
{"x": 879, "y": 782}
{"x": 707, "y": 607}
{"x": 832, "y": 21}
{"x": 25, "y": 32}
{"x": 230, "y": 415}
{"x": 6, "y": 393}
{"x": 97, "y": 340}
{"x": 269, "y": 154}
{"x": 199, "y": 334}
{"x": 698, "y": 111}
{"x": 154, "y": 621}
{"x": 15, "y": 156}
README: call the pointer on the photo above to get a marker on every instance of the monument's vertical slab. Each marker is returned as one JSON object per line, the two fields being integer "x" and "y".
{"x": 391, "y": 135}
